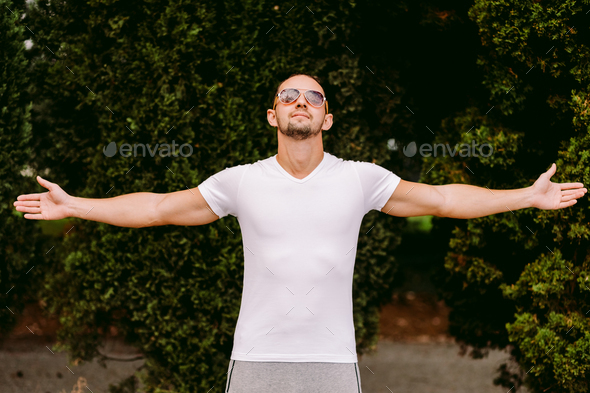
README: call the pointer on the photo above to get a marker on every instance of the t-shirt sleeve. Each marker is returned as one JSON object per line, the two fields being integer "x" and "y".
{"x": 221, "y": 190}
{"x": 377, "y": 183}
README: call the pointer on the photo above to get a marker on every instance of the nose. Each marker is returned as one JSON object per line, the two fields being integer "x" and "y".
{"x": 301, "y": 101}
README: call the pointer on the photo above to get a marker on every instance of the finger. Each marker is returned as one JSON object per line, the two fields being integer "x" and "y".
{"x": 44, "y": 183}
{"x": 567, "y": 204}
{"x": 551, "y": 170}
{"x": 574, "y": 192}
{"x": 566, "y": 198}
{"x": 25, "y": 209}
{"x": 27, "y": 203}
{"x": 570, "y": 185}
{"x": 29, "y": 197}
{"x": 34, "y": 216}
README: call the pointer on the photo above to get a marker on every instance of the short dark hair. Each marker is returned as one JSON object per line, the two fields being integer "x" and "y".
{"x": 314, "y": 77}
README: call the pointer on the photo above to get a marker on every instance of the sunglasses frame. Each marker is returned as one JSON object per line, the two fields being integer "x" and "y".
{"x": 300, "y": 90}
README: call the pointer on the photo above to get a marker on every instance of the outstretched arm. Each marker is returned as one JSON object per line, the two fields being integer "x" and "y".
{"x": 466, "y": 201}
{"x": 135, "y": 210}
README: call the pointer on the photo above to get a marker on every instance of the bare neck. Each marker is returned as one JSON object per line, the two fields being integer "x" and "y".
{"x": 300, "y": 158}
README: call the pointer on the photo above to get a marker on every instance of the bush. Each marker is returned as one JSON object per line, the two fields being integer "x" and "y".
{"x": 519, "y": 280}
{"x": 137, "y": 72}
{"x": 204, "y": 74}
{"x": 20, "y": 250}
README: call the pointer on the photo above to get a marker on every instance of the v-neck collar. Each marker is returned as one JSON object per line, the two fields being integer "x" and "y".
{"x": 293, "y": 178}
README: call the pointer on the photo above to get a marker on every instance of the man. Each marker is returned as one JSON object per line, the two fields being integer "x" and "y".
{"x": 300, "y": 213}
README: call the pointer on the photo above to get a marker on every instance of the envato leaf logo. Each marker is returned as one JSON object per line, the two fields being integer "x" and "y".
{"x": 110, "y": 149}
{"x": 165, "y": 149}
{"x": 410, "y": 150}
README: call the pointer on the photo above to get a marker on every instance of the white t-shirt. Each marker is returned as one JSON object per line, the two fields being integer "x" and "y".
{"x": 300, "y": 238}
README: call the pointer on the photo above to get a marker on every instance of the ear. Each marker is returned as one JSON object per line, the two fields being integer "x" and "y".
{"x": 328, "y": 121}
{"x": 271, "y": 116}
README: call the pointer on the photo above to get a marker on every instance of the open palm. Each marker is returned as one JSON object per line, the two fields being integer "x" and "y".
{"x": 51, "y": 205}
{"x": 550, "y": 196}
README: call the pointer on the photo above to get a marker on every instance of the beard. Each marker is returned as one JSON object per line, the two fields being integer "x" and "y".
{"x": 299, "y": 131}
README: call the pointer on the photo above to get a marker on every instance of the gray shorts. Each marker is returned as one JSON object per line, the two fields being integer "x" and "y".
{"x": 292, "y": 377}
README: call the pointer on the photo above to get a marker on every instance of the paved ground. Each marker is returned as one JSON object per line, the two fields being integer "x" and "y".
{"x": 30, "y": 367}
{"x": 396, "y": 367}
{"x": 428, "y": 368}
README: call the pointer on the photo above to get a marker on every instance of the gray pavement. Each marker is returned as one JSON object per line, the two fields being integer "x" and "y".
{"x": 395, "y": 368}
{"x": 33, "y": 367}
{"x": 429, "y": 368}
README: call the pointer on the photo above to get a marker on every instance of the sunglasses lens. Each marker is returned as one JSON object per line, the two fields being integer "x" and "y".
{"x": 315, "y": 98}
{"x": 287, "y": 96}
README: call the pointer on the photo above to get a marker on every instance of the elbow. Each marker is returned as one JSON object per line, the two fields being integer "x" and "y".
{"x": 441, "y": 212}
{"x": 154, "y": 217}
{"x": 443, "y": 205}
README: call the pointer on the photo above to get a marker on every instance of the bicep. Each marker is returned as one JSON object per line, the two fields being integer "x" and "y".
{"x": 187, "y": 207}
{"x": 412, "y": 199}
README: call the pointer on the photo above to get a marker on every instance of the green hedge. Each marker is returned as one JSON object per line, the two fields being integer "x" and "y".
{"x": 521, "y": 280}
{"x": 202, "y": 73}
{"x": 22, "y": 258}
{"x": 130, "y": 71}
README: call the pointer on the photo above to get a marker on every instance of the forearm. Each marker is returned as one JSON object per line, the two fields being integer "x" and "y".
{"x": 466, "y": 201}
{"x": 134, "y": 210}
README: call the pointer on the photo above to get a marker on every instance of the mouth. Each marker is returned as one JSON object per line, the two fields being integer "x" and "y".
{"x": 300, "y": 114}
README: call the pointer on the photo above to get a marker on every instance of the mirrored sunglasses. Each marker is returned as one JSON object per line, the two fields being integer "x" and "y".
{"x": 313, "y": 97}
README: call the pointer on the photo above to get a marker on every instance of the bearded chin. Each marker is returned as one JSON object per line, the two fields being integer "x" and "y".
{"x": 299, "y": 132}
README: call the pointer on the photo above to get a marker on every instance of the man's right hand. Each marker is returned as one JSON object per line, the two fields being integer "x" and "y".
{"x": 135, "y": 210}
{"x": 51, "y": 205}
